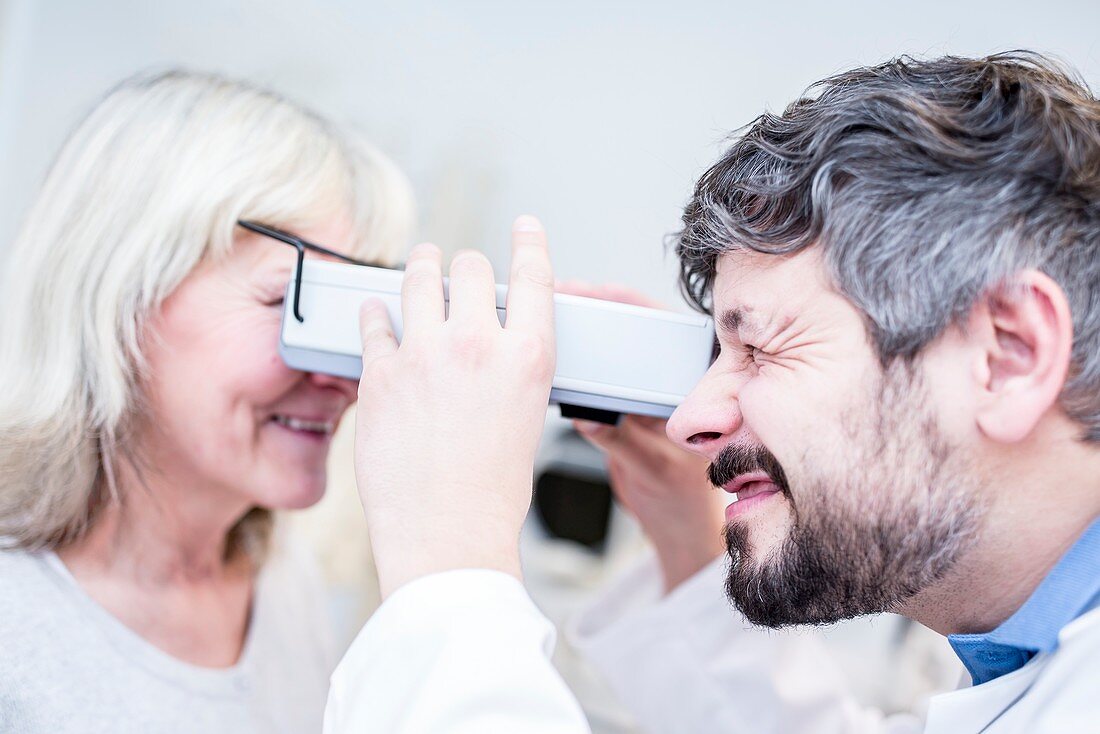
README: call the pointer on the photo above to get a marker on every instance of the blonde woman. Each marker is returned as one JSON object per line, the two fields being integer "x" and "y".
{"x": 148, "y": 428}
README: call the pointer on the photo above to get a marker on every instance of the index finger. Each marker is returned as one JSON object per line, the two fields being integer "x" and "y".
{"x": 375, "y": 330}
{"x": 422, "y": 289}
{"x": 531, "y": 283}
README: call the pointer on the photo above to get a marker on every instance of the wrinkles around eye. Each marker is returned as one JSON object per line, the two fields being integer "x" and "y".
{"x": 271, "y": 293}
{"x": 739, "y": 358}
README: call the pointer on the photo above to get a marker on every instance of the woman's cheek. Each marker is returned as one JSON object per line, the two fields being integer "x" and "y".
{"x": 262, "y": 353}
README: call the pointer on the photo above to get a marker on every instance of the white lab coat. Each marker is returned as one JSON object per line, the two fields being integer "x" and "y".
{"x": 467, "y": 652}
{"x": 692, "y": 646}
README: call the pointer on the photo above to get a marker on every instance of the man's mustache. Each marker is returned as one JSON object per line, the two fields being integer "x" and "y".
{"x": 737, "y": 459}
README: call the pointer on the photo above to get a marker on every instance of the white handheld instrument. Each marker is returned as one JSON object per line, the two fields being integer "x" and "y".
{"x": 611, "y": 357}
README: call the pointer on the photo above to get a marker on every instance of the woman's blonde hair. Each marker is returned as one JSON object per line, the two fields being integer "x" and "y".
{"x": 151, "y": 183}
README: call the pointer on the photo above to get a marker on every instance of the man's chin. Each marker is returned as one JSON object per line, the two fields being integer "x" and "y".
{"x": 760, "y": 537}
{"x": 780, "y": 577}
{"x": 747, "y": 547}
{"x": 760, "y": 583}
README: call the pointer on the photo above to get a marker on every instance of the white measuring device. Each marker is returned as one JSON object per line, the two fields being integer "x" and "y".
{"x": 612, "y": 358}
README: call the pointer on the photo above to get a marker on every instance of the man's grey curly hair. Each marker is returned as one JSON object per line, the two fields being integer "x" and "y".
{"x": 928, "y": 184}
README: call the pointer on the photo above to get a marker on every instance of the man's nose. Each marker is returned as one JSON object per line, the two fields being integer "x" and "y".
{"x": 708, "y": 417}
{"x": 344, "y": 385}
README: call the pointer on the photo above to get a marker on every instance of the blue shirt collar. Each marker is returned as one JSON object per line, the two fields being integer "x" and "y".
{"x": 1070, "y": 589}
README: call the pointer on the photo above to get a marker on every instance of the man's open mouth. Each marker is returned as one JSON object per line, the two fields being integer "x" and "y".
{"x": 749, "y": 485}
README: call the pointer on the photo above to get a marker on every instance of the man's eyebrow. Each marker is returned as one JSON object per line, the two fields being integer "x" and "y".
{"x": 734, "y": 319}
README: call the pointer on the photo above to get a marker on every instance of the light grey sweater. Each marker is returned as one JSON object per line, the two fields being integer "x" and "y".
{"x": 68, "y": 665}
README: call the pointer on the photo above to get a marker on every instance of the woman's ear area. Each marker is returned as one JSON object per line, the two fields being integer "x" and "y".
{"x": 1024, "y": 330}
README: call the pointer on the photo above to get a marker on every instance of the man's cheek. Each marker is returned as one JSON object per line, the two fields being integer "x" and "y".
{"x": 748, "y": 399}
{"x": 787, "y": 426}
{"x": 771, "y": 415}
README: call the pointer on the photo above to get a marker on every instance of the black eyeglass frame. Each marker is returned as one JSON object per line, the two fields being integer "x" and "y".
{"x": 301, "y": 246}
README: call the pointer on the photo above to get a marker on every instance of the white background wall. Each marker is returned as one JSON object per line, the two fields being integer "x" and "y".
{"x": 597, "y": 116}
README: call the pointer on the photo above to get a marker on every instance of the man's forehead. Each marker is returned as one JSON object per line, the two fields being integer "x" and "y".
{"x": 751, "y": 288}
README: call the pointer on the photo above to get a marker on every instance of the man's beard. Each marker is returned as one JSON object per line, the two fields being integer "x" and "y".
{"x": 891, "y": 521}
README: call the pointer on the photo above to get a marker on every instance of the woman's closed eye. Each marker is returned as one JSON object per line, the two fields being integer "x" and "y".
{"x": 271, "y": 293}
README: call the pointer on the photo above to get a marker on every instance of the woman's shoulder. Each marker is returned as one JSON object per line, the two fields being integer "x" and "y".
{"x": 31, "y": 598}
{"x": 27, "y": 578}
{"x": 20, "y": 570}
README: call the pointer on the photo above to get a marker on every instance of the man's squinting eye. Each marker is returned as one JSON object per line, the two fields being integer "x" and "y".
{"x": 751, "y": 352}
{"x": 748, "y": 351}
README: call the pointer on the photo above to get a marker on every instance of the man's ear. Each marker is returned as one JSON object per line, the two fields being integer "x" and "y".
{"x": 1027, "y": 341}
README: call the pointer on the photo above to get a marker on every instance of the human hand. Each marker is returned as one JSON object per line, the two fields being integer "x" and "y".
{"x": 449, "y": 421}
{"x": 663, "y": 486}
{"x": 666, "y": 489}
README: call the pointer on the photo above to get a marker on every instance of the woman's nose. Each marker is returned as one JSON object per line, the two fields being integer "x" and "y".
{"x": 708, "y": 417}
{"x": 343, "y": 384}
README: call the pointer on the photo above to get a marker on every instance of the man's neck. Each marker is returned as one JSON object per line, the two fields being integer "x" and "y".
{"x": 1036, "y": 511}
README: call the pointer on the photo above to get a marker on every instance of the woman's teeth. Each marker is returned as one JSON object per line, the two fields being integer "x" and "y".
{"x": 297, "y": 424}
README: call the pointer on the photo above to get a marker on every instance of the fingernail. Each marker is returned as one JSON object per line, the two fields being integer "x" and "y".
{"x": 526, "y": 223}
{"x": 588, "y": 427}
{"x": 424, "y": 248}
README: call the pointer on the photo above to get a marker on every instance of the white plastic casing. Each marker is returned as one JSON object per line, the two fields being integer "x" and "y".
{"x": 610, "y": 356}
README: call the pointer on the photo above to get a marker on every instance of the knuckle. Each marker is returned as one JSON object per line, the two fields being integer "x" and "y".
{"x": 377, "y": 373}
{"x": 416, "y": 359}
{"x": 371, "y": 310}
{"x": 469, "y": 261}
{"x": 377, "y": 325}
{"x": 535, "y": 356}
{"x": 420, "y": 277}
{"x": 377, "y": 333}
{"x": 538, "y": 274}
{"x": 472, "y": 345}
